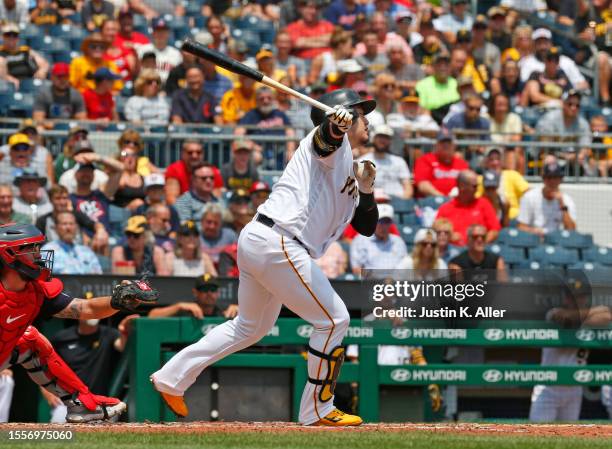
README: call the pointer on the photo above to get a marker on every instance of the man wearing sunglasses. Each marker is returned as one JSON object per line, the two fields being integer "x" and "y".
{"x": 205, "y": 297}
{"x": 19, "y": 62}
{"x": 19, "y": 158}
{"x": 190, "y": 205}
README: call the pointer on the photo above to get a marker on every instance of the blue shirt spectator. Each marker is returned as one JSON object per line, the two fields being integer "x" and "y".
{"x": 70, "y": 257}
{"x": 193, "y": 104}
{"x": 470, "y": 118}
{"x": 343, "y": 13}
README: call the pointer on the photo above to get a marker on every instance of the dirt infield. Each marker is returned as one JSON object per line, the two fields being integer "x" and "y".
{"x": 558, "y": 430}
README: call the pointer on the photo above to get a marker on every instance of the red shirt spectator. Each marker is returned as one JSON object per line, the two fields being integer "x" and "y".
{"x": 310, "y": 35}
{"x": 435, "y": 174}
{"x": 99, "y": 101}
{"x": 178, "y": 170}
{"x": 466, "y": 210}
{"x": 128, "y": 39}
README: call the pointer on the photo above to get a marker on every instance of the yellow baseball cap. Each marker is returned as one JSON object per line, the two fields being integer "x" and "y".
{"x": 18, "y": 138}
{"x": 136, "y": 224}
{"x": 264, "y": 53}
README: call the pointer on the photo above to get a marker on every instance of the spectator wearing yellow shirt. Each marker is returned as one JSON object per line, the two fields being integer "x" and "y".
{"x": 83, "y": 67}
{"x": 238, "y": 101}
{"x": 512, "y": 185}
{"x": 599, "y": 126}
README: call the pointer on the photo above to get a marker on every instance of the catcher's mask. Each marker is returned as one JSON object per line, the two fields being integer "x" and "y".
{"x": 20, "y": 250}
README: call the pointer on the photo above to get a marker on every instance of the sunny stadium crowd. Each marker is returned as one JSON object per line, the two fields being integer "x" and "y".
{"x": 459, "y": 90}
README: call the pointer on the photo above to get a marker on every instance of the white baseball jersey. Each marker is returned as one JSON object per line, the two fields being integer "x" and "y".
{"x": 315, "y": 198}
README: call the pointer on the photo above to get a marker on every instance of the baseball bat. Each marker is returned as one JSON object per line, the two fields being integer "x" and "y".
{"x": 222, "y": 60}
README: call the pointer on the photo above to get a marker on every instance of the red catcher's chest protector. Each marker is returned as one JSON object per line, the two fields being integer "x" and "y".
{"x": 19, "y": 309}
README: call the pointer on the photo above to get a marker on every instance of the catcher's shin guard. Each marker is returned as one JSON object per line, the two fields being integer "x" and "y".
{"x": 45, "y": 367}
{"x": 334, "y": 362}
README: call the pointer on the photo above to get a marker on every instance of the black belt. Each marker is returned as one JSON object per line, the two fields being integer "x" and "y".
{"x": 264, "y": 219}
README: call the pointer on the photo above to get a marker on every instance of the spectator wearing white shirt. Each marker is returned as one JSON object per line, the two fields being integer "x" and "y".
{"x": 542, "y": 38}
{"x": 457, "y": 19}
{"x": 147, "y": 106}
{"x": 381, "y": 251}
{"x": 547, "y": 209}
{"x": 166, "y": 57}
{"x": 15, "y": 11}
{"x": 392, "y": 172}
{"x": 413, "y": 118}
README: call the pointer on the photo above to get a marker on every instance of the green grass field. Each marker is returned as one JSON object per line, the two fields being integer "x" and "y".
{"x": 314, "y": 440}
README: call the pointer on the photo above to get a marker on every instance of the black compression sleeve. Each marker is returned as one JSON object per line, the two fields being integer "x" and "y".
{"x": 366, "y": 215}
{"x": 324, "y": 142}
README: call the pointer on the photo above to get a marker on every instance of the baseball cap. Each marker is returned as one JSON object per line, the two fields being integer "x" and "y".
{"x": 77, "y": 129}
{"x": 410, "y": 96}
{"x": 264, "y": 53}
{"x": 480, "y": 21}
{"x": 383, "y": 130}
{"x": 153, "y": 180}
{"x": 464, "y": 36}
{"x": 103, "y": 74}
{"x": 552, "y": 170}
{"x": 490, "y": 178}
{"x": 136, "y": 224}
{"x": 493, "y": 150}
{"x": 60, "y": 69}
{"x": 444, "y": 134}
{"x": 242, "y": 144}
{"x": 318, "y": 86}
{"x": 385, "y": 211}
{"x": 571, "y": 93}
{"x": 19, "y": 138}
{"x": 541, "y": 33}
{"x": 240, "y": 46}
{"x": 159, "y": 23}
{"x": 349, "y": 66}
{"x": 188, "y": 228}
{"x": 463, "y": 80}
{"x": 260, "y": 186}
{"x": 496, "y": 11}
{"x": 405, "y": 15}
{"x": 422, "y": 234}
{"x": 239, "y": 196}
{"x": 206, "y": 282}
{"x": 29, "y": 174}
{"x": 441, "y": 56}
{"x": 10, "y": 28}
{"x": 83, "y": 146}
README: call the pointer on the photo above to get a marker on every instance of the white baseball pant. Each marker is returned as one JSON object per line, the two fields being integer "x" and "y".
{"x": 555, "y": 403}
{"x": 7, "y": 386}
{"x": 274, "y": 270}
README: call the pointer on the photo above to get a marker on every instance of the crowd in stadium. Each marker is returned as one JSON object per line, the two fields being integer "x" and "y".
{"x": 437, "y": 69}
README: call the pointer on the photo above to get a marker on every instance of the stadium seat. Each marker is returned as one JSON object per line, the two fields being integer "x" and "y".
{"x": 30, "y": 30}
{"x": 598, "y": 254}
{"x": 512, "y": 256}
{"x": 21, "y": 105}
{"x": 401, "y": 205}
{"x": 517, "y": 238}
{"x": 596, "y": 273}
{"x": 250, "y": 37}
{"x": 569, "y": 239}
{"x": 30, "y": 85}
{"x": 432, "y": 201}
{"x": 407, "y": 233}
{"x": 554, "y": 255}
{"x": 408, "y": 219}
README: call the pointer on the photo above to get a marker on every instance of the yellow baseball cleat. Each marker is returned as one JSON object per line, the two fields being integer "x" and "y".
{"x": 174, "y": 403}
{"x": 336, "y": 418}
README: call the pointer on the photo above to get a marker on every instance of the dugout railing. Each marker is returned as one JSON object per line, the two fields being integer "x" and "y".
{"x": 156, "y": 340}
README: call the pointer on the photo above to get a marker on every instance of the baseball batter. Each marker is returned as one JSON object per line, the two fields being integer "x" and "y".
{"x": 321, "y": 191}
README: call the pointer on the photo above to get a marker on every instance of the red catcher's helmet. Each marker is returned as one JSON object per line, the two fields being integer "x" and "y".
{"x": 20, "y": 251}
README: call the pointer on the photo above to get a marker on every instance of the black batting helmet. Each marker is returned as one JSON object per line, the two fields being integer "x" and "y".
{"x": 20, "y": 251}
{"x": 345, "y": 97}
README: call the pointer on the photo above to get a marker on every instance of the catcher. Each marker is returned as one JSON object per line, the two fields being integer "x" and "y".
{"x": 27, "y": 291}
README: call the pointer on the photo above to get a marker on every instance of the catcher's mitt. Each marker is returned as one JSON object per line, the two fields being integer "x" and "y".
{"x": 128, "y": 295}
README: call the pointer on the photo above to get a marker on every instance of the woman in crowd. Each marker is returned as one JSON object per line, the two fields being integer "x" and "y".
{"x": 188, "y": 259}
{"x": 139, "y": 254}
{"x": 130, "y": 194}
{"x": 326, "y": 63}
{"x": 507, "y": 126}
{"x": 125, "y": 59}
{"x": 131, "y": 139}
{"x": 425, "y": 258}
{"x": 522, "y": 44}
{"x": 509, "y": 83}
{"x": 148, "y": 106}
